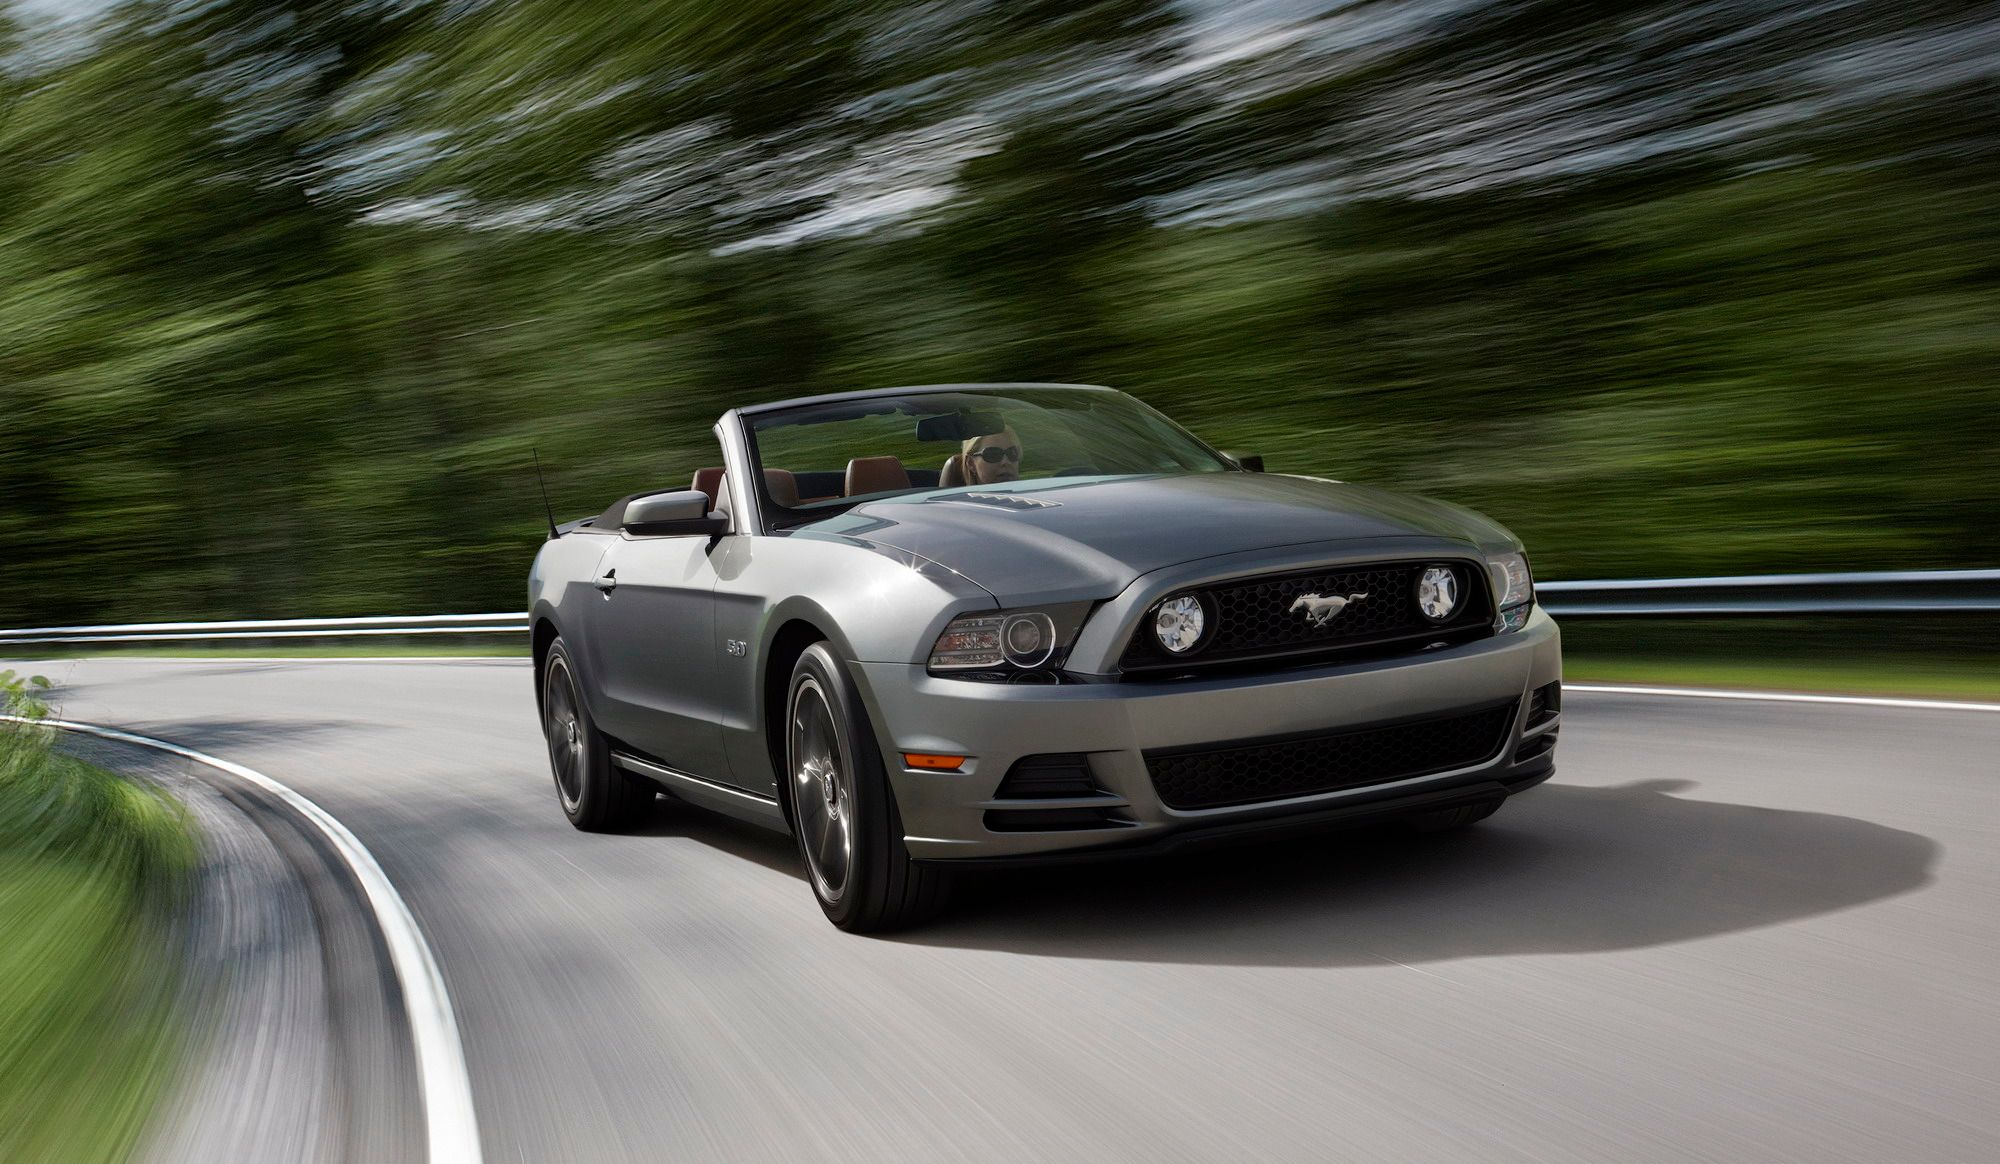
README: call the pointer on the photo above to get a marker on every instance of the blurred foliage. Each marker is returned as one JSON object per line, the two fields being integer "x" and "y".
{"x": 91, "y": 866}
{"x": 22, "y": 695}
{"x": 290, "y": 289}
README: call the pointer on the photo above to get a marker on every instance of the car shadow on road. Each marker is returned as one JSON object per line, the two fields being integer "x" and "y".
{"x": 739, "y": 839}
{"x": 1566, "y": 869}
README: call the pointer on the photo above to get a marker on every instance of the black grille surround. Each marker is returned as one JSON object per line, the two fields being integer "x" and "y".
{"x": 1253, "y": 620}
{"x": 1251, "y": 771}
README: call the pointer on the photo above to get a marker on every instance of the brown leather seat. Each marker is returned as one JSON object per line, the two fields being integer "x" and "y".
{"x": 779, "y": 483}
{"x": 709, "y": 481}
{"x": 952, "y": 475}
{"x": 876, "y": 475}
{"x": 782, "y": 486}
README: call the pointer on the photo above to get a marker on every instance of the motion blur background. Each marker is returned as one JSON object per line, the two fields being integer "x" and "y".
{"x": 289, "y": 291}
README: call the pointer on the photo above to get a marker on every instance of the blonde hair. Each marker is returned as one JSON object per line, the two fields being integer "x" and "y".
{"x": 967, "y": 448}
{"x": 967, "y": 461}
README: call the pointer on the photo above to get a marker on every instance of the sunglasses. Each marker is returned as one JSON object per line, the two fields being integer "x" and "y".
{"x": 994, "y": 454}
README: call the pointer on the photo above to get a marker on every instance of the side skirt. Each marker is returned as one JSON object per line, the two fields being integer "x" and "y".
{"x": 709, "y": 794}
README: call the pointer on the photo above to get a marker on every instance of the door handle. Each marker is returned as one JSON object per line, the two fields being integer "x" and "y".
{"x": 608, "y": 581}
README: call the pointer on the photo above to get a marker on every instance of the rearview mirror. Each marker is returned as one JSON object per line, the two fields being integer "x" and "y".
{"x": 682, "y": 511}
{"x": 1248, "y": 462}
{"x": 959, "y": 426}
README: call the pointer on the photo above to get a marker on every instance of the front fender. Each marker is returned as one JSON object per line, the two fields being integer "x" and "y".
{"x": 559, "y": 582}
{"x": 871, "y": 605}
{"x": 874, "y": 603}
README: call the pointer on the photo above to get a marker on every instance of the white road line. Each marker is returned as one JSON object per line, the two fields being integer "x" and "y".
{"x": 451, "y": 1129}
{"x": 1782, "y": 697}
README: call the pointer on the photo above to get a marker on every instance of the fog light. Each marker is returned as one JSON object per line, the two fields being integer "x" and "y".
{"x": 1437, "y": 593}
{"x": 1178, "y": 624}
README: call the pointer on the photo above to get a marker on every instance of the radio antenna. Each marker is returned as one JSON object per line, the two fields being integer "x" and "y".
{"x": 547, "y": 509}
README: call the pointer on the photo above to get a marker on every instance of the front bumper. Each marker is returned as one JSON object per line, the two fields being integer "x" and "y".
{"x": 1114, "y": 724}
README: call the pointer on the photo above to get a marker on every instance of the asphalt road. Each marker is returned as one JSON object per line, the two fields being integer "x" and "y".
{"x": 1726, "y": 930}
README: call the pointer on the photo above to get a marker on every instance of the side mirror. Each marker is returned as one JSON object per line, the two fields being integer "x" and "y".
{"x": 1248, "y": 462}
{"x": 683, "y": 512}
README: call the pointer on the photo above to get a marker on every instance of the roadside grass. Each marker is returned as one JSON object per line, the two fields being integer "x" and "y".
{"x": 90, "y": 867}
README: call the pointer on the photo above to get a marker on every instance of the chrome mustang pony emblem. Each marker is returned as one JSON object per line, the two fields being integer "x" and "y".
{"x": 1321, "y": 610}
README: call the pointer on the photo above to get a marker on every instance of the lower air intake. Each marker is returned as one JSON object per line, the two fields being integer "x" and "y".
{"x": 1048, "y": 776}
{"x": 1276, "y": 769}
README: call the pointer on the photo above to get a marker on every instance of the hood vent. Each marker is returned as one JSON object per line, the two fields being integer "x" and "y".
{"x": 1001, "y": 500}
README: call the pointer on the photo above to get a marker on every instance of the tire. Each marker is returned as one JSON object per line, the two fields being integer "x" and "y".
{"x": 596, "y": 796}
{"x": 1451, "y": 820}
{"x": 843, "y": 810}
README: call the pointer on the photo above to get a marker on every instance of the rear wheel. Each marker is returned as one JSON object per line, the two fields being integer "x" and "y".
{"x": 843, "y": 810}
{"x": 595, "y": 795}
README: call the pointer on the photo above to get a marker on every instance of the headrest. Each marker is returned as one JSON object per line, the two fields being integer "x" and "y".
{"x": 782, "y": 486}
{"x": 875, "y": 475}
{"x": 709, "y": 481}
{"x": 953, "y": 473}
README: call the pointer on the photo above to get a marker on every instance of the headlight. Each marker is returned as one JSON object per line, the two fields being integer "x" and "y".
{"x": 1007, "y": 640}
{"x": 968, "y": 644}
{"x": 1513, "y": 590}
{"x": 1028, "y": 639}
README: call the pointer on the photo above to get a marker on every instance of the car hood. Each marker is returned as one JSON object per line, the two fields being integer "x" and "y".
{"x": 1099, "y": 534}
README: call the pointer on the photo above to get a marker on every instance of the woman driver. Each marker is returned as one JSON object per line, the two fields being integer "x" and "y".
{"x": 993, "y": 458}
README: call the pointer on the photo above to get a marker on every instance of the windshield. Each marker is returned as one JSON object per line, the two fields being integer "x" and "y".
{"x": 820, "y": 458}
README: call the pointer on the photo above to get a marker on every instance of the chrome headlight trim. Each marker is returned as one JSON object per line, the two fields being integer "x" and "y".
{"x": 1028, "y": 639}
{"x": 986, "y": 643}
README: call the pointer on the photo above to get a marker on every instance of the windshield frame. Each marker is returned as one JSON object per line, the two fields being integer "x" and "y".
{"x": 777, "y": 518}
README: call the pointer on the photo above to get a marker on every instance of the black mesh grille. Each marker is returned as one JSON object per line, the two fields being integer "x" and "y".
{"x": 1262, "y": 617}
{"x": 1304, "y": 765}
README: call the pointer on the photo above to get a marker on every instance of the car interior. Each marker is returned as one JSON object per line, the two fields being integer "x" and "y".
{"x": 863, "y": 476}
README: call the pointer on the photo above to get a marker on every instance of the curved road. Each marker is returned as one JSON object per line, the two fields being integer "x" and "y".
{"x": 1727, "y": 930}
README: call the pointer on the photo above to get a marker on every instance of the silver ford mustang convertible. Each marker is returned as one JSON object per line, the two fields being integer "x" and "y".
{"x": 980, "y": 625}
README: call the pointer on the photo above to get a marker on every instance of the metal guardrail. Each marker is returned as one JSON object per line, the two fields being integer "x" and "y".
{"x": 1755, "y": 595}
{"x": 1777, "y": 595}
{"x": 281, "y": 628}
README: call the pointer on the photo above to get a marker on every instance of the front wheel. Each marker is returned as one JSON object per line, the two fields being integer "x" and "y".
{"x": 843, "y": 810}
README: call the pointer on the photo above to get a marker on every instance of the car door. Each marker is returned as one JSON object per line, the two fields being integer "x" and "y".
{"x": 651, "y": 646}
